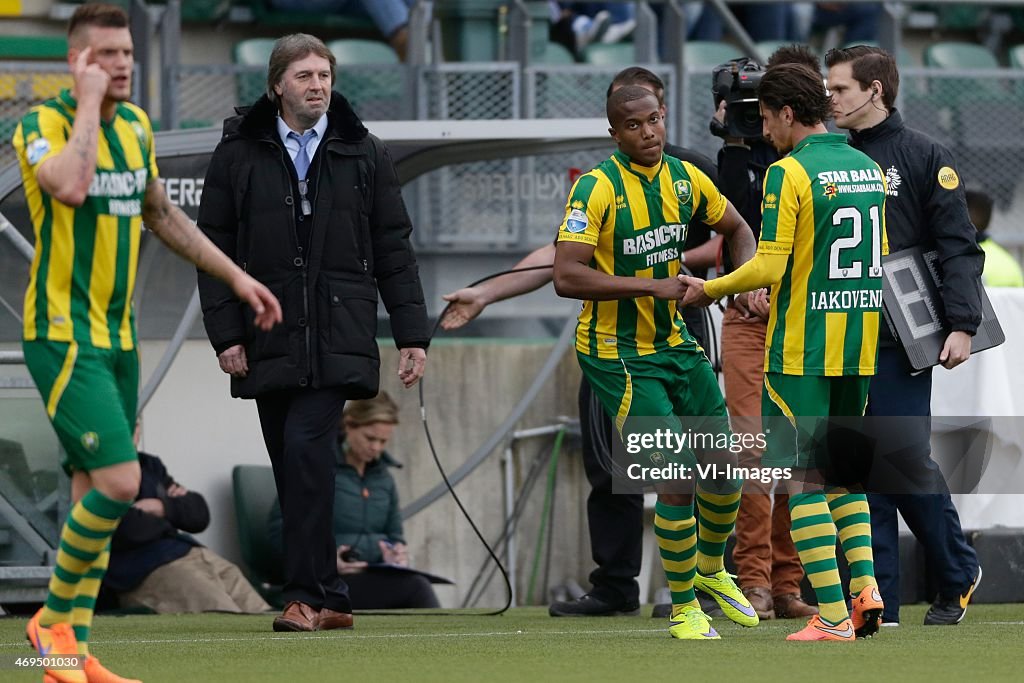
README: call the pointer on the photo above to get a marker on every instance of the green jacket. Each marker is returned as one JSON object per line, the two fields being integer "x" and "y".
{"x": 366, "y": 509}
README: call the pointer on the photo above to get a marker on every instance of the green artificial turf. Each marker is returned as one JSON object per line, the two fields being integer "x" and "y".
{"x": 527, "y": 645}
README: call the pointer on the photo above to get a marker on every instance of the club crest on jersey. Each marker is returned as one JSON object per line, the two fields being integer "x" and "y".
{"x": 36, "y": 150}
{"x": 831, "y": 190}
{"x": 140, "y": 132}
{"x": 91, "y": 441}
{"x": 658, "y": 458}
{"x": 683, "y": 190}
{"x": 576, "y": 222}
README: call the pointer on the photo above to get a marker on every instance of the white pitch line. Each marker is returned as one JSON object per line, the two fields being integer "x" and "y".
{"x": 488, "y": 634}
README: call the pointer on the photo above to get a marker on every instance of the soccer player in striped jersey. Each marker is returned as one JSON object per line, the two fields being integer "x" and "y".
{"x": 618, "y": 250}
{"x": 90, "y": 177}
{"x": 822, "y": 241}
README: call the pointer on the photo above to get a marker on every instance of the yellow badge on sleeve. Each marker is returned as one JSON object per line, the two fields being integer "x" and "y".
{"x": 948, "y": 178}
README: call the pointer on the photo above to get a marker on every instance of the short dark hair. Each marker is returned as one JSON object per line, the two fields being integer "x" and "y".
{"x": 627, "y": 93}
{"x": 637, "y": 75}
{"x": 867, "y": 64}
{"x": 291, "y": 48}
{"x": 794, "y": 54}
{"x": 104, "y": 16}
{"x": 798, "y": 86}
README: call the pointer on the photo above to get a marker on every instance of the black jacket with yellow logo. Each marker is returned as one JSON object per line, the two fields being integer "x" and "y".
{"x": 926, "y": 206}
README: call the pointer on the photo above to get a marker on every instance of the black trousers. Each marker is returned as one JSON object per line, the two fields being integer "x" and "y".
{"x": 615, "y": 520}
{"x": 931, "y": 517}
{"x": 300, "y": 429}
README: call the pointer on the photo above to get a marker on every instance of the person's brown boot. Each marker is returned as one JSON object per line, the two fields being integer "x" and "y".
{"x": 792, "y": 606}
{"x": 760, "y": 598}
{"x": 329, "y": 620}
{"x": 297, "y": 616}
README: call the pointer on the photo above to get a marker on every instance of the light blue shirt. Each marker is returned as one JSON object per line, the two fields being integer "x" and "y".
{"x": 292, "y": 145}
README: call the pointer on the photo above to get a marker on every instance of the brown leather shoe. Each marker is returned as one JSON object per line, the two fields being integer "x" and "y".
{"x": 792, "y": 606}
{"x": 760, "y": 598}
{"x": 297, "y": 616}
{"x": 329, "y": 620}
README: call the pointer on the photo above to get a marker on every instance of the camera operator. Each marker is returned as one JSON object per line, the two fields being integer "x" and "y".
{"x": 767, "y": 563}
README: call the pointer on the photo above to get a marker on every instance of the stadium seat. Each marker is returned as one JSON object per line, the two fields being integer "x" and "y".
{"x": 704, "y": 53}
{"x": 961, "y": 56}
{"x": 8, "y": 86}
{"x": 554, "y": 53}
{"x": 371, "y": 77}
{"x": 358, "y": 51}
{"x": 33, "y": 47}
{"x": 266, "y": 15}
{"x": 614, "y": 54}
{"x": 254, "y": 492}
{"x": 954, "y": 55}
{"x": 1017, "y": 56}
{"x": 254, "y": 52}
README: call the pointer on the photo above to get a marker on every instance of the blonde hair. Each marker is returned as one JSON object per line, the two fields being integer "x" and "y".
{"x": 380, "y": 408}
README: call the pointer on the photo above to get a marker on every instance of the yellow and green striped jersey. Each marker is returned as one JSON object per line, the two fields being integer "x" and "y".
{"x": 636, "y": 217}
{"x": 824, "y": 206}
{"x": 83, "y": 274}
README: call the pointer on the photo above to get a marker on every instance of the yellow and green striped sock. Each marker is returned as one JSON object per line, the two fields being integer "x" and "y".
{"x": 814, "y": 535}
{"x": 853, "y": 522}
{"x": 676, "y": 531}
{"x": 83, "y": 539}
{"x": 716, "y": 519}
{"x": 85, "y": 600}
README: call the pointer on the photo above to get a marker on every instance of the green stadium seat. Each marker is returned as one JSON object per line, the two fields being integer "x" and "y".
{"x": 954, "y": 55}
{"x": 1017, "y": 56}
{"x": 554, "y": 53}
{"x": 266, "y": 15}
{"x": 705, "y": 53}
{"x": 254, "y": 52}
{"x": 358, "y": 51}
{"x": 254, "y": 492}
{"x": 960, "y": 17}
{"x": 614, "y": 54}
{"x": 191, "y": 11}
{"x": 369, "y": 75}
{"x": 34, "y": 47}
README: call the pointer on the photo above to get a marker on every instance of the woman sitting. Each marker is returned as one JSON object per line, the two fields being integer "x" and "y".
{"x": 367, "y": 522}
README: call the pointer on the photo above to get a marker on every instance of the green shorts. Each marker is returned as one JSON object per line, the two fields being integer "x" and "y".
{"x": 674, "y": 389}
{"x": 91, "y": 396}
{"x": 796, "y": 407}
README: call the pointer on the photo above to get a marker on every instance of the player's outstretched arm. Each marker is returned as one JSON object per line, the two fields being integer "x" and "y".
{"x": 467, "y": 303}
{"x": 174, "y": 229}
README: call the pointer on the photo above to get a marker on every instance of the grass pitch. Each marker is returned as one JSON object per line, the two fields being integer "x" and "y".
{"x": 527, "y": 645}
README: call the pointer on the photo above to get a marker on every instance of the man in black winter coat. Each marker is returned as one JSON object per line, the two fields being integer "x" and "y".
{"x": 925, "y": 206}
{"x": 308, "y": 202}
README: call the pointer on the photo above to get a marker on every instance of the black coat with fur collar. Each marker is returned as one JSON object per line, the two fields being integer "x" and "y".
{"x": 358, "y": 246}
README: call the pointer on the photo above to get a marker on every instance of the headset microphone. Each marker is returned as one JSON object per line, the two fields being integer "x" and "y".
{"x": 868, "y": 101}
